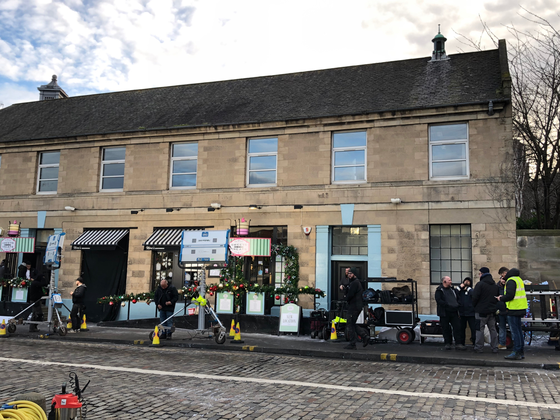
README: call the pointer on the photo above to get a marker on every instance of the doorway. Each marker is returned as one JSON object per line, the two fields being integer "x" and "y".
{"x": 338, "y": 277}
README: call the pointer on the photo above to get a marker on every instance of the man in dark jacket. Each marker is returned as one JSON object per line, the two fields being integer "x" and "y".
{"x": 77, "y": 313}
{"x": 35, "y": 295}
{"x": 516, "y": 302}
{"x": 448, "y": 312}
{"x": 466, "y": 309}
{"x": 166, "y": 297}
{"x": 502, "y": 311}
{"x": 484, "y": 302}
{"x": 355, "y": 306}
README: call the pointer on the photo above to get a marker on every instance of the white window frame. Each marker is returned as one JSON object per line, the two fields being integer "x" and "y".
{"x": 250, "y": 155}
{"x": 449, "y": 142}
{"x": 49, "y": 165}
{"x": 173, "y": 159}
{"x": 346, "y": 149}
{"x": 106, "y": 162}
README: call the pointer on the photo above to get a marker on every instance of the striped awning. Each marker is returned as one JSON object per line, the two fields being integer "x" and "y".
{"x": 99, "y": 239}
{"x": 17, "y": 244}
{"x": 165, "y": 239}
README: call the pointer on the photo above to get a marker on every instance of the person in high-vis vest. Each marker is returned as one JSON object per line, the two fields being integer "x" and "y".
{"x": 516, "y": 302}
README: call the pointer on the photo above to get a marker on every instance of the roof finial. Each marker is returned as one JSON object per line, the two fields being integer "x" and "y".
{"x": 54, "y": 78}
{"x": 439, "y": 54}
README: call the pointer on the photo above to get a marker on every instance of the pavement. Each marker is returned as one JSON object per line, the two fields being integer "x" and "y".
{"x": 538, "y": 355}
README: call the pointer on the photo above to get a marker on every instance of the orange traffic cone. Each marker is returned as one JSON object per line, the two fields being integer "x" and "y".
{"x": 155, "y": 340}
{"x": 334, "y": 336}
{"x": 69, "y": 324}
{"x": 237, "y": 338}
{"x": 3, "y": 332}
{"x": 232, "y": 329}
{"x": 84, "y": 327}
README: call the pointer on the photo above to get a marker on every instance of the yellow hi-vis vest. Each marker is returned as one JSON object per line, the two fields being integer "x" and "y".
{"x": 520, "y": 299}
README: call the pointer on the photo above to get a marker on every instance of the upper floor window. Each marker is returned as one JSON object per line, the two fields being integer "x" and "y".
{"x": 184, "y": 159}
{"x": 112, "y": 169}
{"x": 349, "y": 157}
{"x": 48, "y": 172}
{"x": 449, "y": 151}
{"x": 262, "y": 157}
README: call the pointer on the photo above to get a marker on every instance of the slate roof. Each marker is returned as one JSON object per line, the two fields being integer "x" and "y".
{"x": 391, "y": 86}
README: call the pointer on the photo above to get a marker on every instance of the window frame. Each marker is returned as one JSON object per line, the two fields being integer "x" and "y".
{"x": 250, "y": 155}
{"x": 449, "y": 142}
{"x": 48, "y": 165}
{"x": 345, "y": 149}
{"x": 106, "y": 162}
{"x": 173, "y": 159}
{"x": 464, "y": 273}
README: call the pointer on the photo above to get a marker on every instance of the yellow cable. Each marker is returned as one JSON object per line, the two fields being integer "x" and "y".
{"x": 25, "y": 410}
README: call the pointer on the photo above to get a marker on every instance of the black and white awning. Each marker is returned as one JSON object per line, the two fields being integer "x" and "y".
{"x": 100, "y": 239}
{"x": 165, "y": 239}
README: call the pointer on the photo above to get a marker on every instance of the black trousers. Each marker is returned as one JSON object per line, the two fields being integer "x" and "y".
{"x": 352, "y": 329}
{"x": 450, "y": 324}
{"x": 463, "y": 328}
{"x": 76, "y": 315}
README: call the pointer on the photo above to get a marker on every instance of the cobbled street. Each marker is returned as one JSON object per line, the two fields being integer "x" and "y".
{"x": 129, "y": 382}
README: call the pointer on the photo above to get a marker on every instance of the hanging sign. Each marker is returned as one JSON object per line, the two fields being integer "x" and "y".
{"x": 290, "y": 317}
{"x": 250, "y": 247}
{"x": 55, "y": 243}
{"x": 224, "y": 303}
{"x": 204, "y": 245}
{"x": 255, "y": 303}
{"x": 17, "y": 244}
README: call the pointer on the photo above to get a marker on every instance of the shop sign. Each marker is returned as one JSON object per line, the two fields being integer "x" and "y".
{"x": 19, "y": 245}
{"x": 250, "y": 247}
{"x": 8, "y": 245}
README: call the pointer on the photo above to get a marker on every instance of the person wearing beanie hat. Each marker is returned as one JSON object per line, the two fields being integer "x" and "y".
{"x": 485, "y": 306}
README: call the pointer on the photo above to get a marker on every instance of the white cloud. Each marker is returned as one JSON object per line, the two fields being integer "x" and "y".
{"x": 108, "y": 45}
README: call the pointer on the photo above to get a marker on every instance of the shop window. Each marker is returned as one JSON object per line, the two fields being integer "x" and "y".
{"x": 184, "y": 160}
{"x": 450, "y": 252}
{"x": 262, "y": 159}
{"x": 166, "y": 267}
{"x": 112, "y": 169}
{"x": 48, "y": 172}
{"x": 349, "y": 157}
{"x": 350, "y": 240}
{"x": 449, "y": 151}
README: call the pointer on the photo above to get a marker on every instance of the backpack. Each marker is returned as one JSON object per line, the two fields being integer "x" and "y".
{"x": 370, "y": 295}
{"x": 379, "y": 316}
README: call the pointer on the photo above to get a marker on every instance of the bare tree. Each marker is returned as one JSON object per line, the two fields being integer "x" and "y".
{"x": 534, "y": 62}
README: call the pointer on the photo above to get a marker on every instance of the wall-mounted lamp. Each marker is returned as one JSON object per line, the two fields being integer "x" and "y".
{"x": 298, "y": 207}
{"x": 396, "y": 201}
{"x": 215, "y": 205}
{"x": 133, "y": 211}
{"x": 211, "y": 209}
{"x": 70, "y": 208}
{"x": 254, "y": 207}
{"x": 169, "y": 210}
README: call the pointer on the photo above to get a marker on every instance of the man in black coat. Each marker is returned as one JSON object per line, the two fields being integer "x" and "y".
{"x": 77, "y": 313}
{"x": 166, "y": 297}
{"x": 448, "y": 312}
{"x": 355, "y": 306}
{"x": 35, "y": 295}
{"x": 484, "y": 301}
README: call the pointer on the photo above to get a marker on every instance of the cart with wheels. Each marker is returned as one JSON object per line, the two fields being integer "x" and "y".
{"x": 403, "y": 320}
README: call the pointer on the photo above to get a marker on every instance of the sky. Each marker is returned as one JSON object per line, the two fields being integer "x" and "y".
{"x": 97, "y": 46}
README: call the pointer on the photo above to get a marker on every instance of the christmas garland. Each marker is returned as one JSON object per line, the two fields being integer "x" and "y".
{"x": 232, "y": 280}
{"x": 16, "y": 282}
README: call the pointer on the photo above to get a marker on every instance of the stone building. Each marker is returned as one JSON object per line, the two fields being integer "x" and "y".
{"x": 394, "y": 166}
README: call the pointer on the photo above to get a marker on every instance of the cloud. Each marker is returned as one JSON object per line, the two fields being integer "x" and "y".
{"x": 110, "y": 45}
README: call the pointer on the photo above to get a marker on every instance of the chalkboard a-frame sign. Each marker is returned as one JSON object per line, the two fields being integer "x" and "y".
{"x": 290, "y": 319}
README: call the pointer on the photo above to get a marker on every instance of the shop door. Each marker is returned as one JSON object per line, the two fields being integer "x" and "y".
{"x": 104, "y": 273}
{"x": 338, "y": 276}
